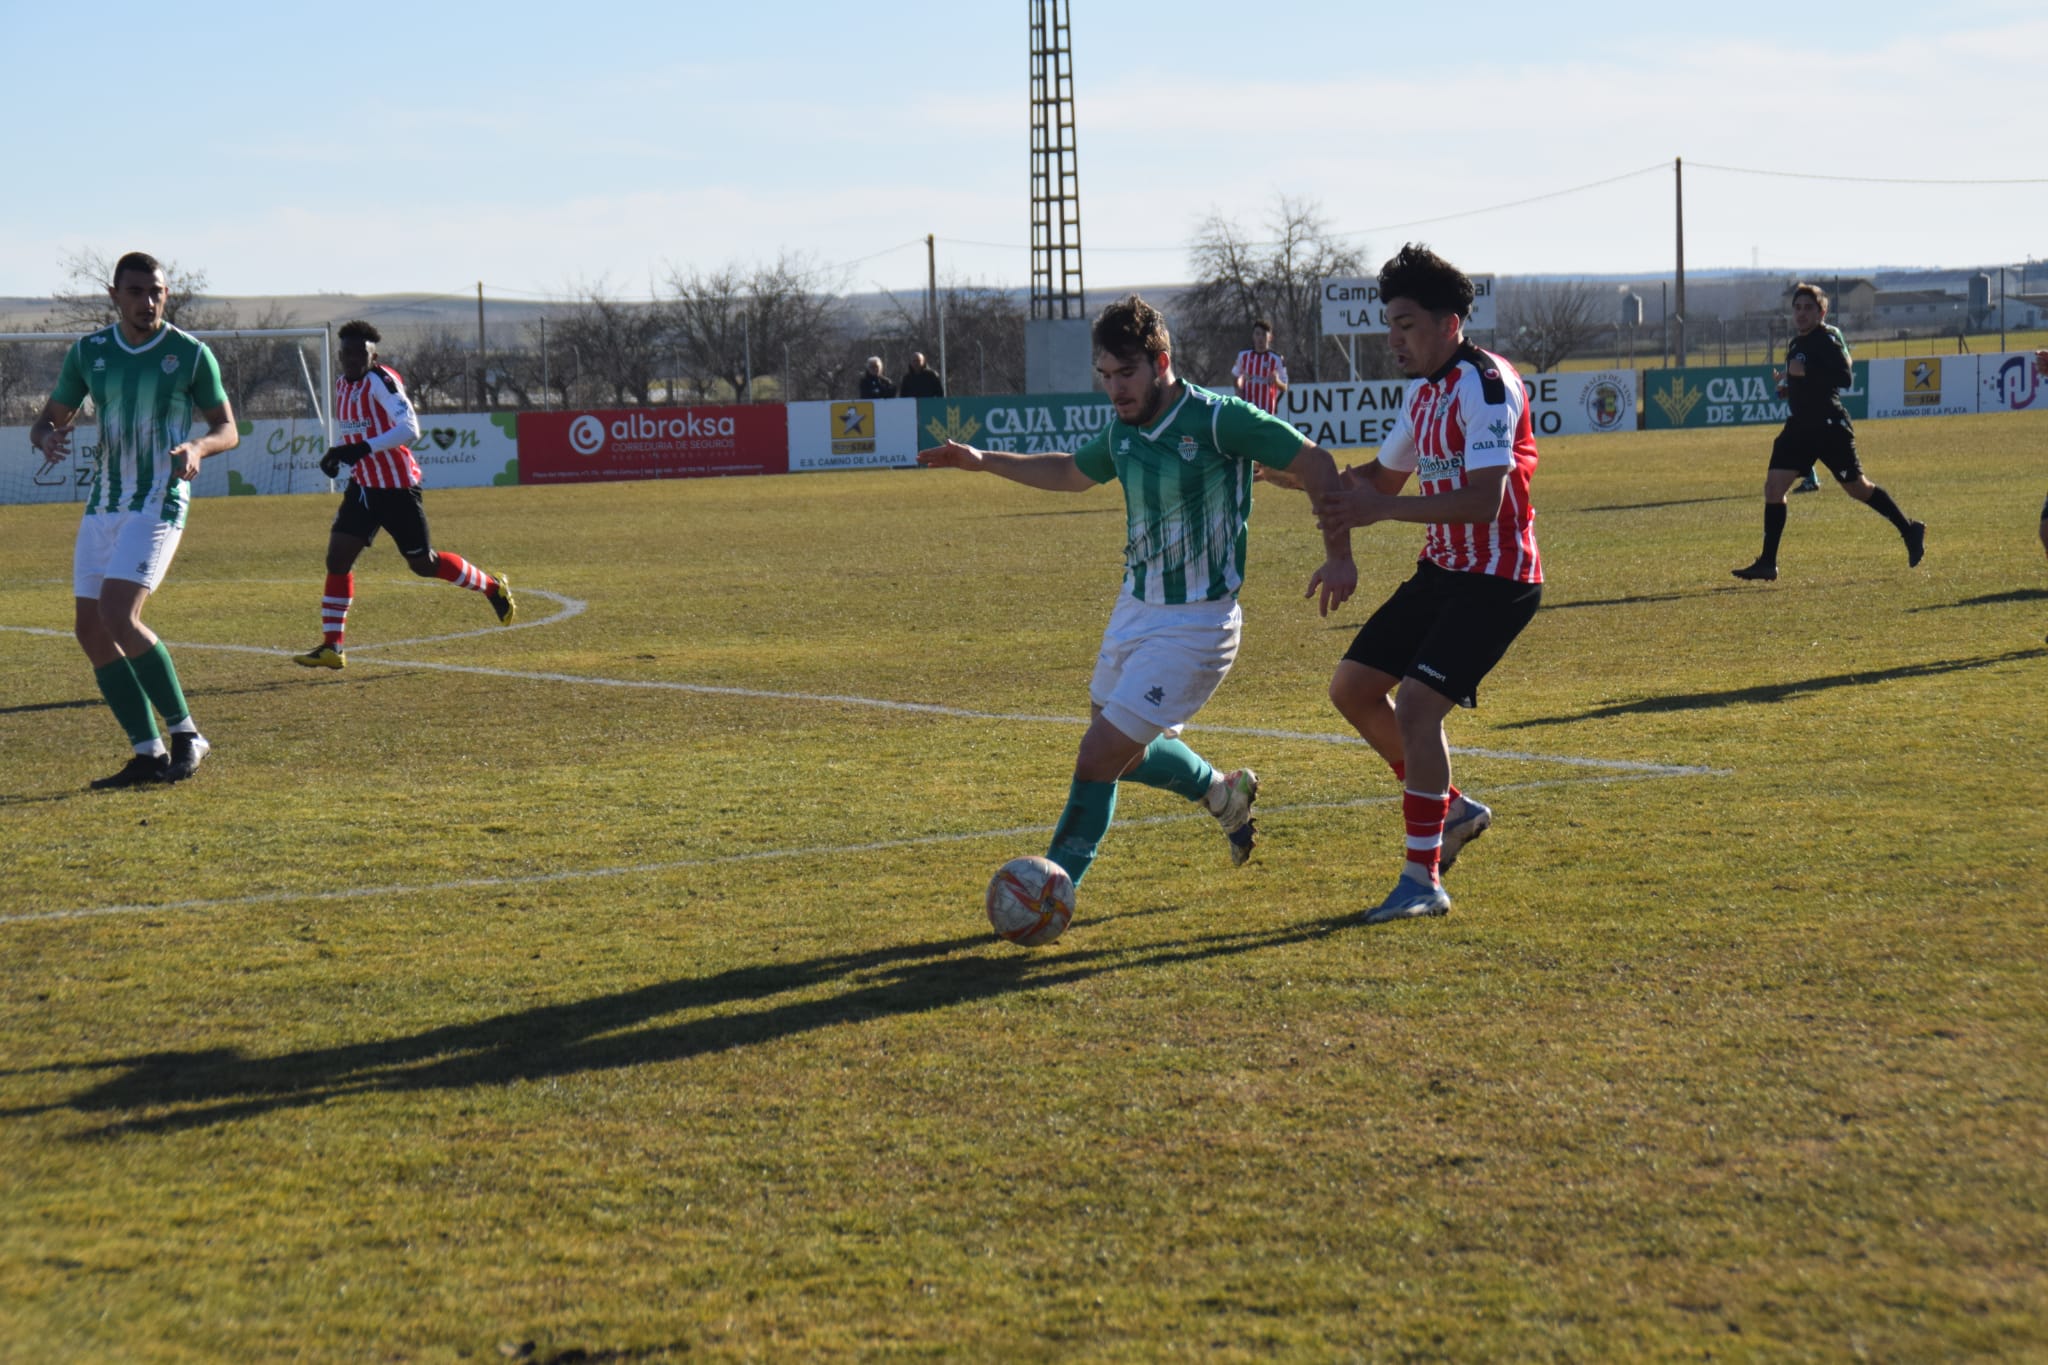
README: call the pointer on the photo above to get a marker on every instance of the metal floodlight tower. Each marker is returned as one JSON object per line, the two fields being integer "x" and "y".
{"x": 1056, "y": 291}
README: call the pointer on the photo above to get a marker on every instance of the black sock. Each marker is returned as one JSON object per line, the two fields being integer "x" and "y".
{"x": 1881, "y": 503}
{"x": 1774, "y": 530}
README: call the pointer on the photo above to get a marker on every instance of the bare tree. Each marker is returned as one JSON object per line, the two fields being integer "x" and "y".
{"x": 736, "y": 325}
{"x": 85, "y": 307}
{"x": 1547, "y": 322}
{"x": 1238, "y": 281}
{"x": 436, "y": 361}
{"x": 616, "y": 347}
{"x": 983, "y": 333}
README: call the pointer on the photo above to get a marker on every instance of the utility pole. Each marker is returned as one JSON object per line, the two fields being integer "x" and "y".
{"x": 931, "y": 291}
{"x": 483, "y": 398}
{"x": 1678, "y": 172}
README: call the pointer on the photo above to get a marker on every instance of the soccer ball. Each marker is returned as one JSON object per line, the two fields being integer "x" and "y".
{"x": 1030, "y": 901}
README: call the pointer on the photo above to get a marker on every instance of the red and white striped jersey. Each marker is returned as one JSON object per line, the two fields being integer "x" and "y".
{"x": 375, "y": 409}
{"x": 1259, "y": 370}
{"x": 1472, "y": 414}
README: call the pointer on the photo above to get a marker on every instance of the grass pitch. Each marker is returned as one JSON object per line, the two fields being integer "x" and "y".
{"x": 616, "y": 987}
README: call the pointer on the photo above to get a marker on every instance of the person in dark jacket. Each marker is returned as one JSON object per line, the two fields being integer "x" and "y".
{"x": 875, "y": 384}
{"x": 1817, "y": 428}
{"x": 920, "y": 381}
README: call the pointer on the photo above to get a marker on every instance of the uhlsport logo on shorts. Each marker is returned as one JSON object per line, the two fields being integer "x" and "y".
{"x": 586, "y": 435}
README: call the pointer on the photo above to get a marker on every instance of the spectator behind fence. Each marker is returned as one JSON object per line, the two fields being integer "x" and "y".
{"x": 919, "y": 381}
{"x": 875, "y": 384}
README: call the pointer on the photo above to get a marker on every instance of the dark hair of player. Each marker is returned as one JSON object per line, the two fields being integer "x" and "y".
{"x": 1261, "y": 325}
{"x": 359, "y": 331}
{"x": 1811, "y": 291}
{"x": 1432, "y": 282}
{"x": 135, "y": 260}
{"x": 1131, "y": 327}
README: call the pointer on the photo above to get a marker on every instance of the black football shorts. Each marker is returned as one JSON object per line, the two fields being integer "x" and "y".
{"x": 1446, "y": 629}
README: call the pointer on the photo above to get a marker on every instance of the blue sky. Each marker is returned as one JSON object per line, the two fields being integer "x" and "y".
{"x": 386, "y": 149}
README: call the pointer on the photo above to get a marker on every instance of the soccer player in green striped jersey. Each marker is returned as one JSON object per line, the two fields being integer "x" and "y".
{"x": 1184, "y": 457}
{"x": 145, "y": 378}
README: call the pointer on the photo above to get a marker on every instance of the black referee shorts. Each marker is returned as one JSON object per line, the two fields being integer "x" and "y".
{"x": 1833, "y": 444}
{"x": 1446, "y": 629}
{"x": 398, "y": 510}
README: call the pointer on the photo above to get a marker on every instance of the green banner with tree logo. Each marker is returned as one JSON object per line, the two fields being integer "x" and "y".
{"x": 1730, "y": 396}
{"x": 1031, "y": 422}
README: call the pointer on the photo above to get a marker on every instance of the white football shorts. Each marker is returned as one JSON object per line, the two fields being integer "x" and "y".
{"x": 136, "y": 546}
{"x": 1160, "y": 665}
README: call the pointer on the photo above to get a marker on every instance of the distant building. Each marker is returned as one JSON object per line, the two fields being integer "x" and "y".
{"x": 1921, "y": 309}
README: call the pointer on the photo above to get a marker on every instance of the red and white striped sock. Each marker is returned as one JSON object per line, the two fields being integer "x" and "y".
{"x": 334, "y": 604}
{"x": 1424, "y": 812}
{"x": 1401, "y": 775}
{"x": 455, "y": 569}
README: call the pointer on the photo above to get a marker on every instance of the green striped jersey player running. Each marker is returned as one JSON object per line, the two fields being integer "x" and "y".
{"x": 145, "y": 378}
{"x": 1184, "y": 457}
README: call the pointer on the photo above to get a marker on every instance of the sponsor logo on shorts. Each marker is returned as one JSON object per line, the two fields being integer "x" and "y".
{"x": 1156, "y": 695}
{"x": 1426, "y": 671}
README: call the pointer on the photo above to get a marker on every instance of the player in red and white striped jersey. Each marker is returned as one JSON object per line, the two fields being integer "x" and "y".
{"x": 1465, "y": 431}
{"x": 378, "y": 424}
{"x": 1261, "y": 372}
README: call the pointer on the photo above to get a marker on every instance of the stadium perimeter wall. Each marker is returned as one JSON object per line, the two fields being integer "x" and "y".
{"x": 471, "y": 450}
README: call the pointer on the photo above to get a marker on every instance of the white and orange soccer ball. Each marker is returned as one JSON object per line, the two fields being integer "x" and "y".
{"x": 1030, "y": 901}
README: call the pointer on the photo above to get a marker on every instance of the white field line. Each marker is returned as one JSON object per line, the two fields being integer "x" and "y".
{"x": 360, "y": 893}
{"x": 572, "y": 607}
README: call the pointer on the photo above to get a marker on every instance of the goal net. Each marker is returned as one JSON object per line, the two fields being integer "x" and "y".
{"x": 280, "y": 377}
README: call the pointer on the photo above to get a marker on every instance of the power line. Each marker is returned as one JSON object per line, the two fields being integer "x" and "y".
{"x": 1361, "y": 232}
{"x": 1858, "y": 179}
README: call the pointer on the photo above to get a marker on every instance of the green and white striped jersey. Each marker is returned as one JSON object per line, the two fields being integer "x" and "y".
{"x": 1188, "y": 492}
{"x": 145, "y": 397}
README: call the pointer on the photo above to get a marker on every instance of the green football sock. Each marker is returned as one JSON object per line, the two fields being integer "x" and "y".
{"x": 1082, "y": 825}
{"x": 159, "y": 679}
{"x": 128, "y": 702}
{"x": 1172, "y": 766}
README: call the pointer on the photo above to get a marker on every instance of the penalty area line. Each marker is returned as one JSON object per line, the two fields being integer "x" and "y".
{"x": 572, "y": 875}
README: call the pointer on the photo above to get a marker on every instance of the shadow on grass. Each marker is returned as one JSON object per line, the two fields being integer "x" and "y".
{"x": 1765, "y": 693}
{"x": 1641, "y": 598}
{"x": 733, "y": 1009}
{"x": 1991, "y": 599}
{"x": 1674, "y": 502}
{"x": 95, "y": 703}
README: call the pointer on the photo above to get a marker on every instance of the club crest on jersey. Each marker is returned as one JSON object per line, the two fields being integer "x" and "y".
{"x": 1188, "y": 448}
{"x": 170, "y": 364}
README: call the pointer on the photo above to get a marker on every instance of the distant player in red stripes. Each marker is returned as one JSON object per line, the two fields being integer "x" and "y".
{"x": 1261, "y": 372}
{"x": 373, "y": 414}
{"x": 1464, "y": 430}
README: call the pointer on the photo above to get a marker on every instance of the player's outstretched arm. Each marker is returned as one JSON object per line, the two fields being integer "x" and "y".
{"x": 1315, "y": 473}
{"x": 1053, "y": 470}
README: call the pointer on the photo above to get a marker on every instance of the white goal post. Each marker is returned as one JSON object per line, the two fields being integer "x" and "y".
{"x": 25, "y": 477}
